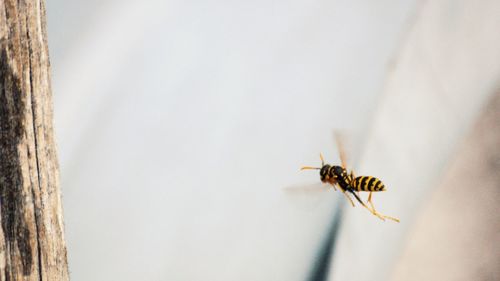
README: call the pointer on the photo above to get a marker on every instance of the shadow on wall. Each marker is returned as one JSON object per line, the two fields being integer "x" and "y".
{"x": 456, "y": 236}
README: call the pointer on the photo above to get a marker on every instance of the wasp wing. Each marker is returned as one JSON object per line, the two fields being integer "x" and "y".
{"x": 339, "y": 139}
{"x": 306, "y": 188}
{"x": 308, "y": 196}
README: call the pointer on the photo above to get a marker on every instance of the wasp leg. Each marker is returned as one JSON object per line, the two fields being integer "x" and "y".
{"x": 357, "y": 197}
{"x": 352, "y": 175}
{"x": 334, "y": 183}
{"x": 370, "y": 200}
{"x": 346, "y": 195}
{"x": 381, "y": 216}
{"x": 373, "y": 211}
{"x": 363, "y": 204}
{"x": 351, "y": 190}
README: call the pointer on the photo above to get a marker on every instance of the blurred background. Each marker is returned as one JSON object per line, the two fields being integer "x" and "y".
{"x": 182, "y": 125}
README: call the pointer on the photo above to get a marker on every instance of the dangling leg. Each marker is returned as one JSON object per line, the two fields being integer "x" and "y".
{"x": 381, "y": 216}
{"x": 370, "y": 200}
{"x": 372, "y": 210}
{"x": 333, "y": 182}
{"x": 346, "y": 195}
{"x": 353, "y": 177}
{"x": 363, "y": 204}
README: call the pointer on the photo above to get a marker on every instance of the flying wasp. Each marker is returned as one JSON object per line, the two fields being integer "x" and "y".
{"x": 348, "y": 183}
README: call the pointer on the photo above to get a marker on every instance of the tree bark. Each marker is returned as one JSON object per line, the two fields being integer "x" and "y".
{"x": 32, "y": 245}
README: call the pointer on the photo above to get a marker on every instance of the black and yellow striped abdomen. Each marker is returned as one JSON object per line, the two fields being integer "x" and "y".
{"x": 367, "y": 183}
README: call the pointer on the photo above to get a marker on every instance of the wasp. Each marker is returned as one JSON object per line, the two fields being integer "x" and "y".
{"x": 348, "y": 183}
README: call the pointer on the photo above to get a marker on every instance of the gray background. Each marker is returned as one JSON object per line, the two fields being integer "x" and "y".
{"x": 181, "y": 126}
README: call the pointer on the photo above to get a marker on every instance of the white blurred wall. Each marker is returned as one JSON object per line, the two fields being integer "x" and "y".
{"x": 443, "y": 74}
{"x": 455, "y": 236}
{"x": 180, "y": 123}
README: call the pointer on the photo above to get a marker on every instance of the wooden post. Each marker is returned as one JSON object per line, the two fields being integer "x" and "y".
{"x": 32, "y": 245}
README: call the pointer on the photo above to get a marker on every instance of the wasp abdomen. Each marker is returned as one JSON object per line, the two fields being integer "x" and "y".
{"x": 367, "y": 183}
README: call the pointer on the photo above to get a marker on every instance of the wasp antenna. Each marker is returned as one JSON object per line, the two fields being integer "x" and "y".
{"x": 322, "y": 159}
{"x": 309, "y": 168}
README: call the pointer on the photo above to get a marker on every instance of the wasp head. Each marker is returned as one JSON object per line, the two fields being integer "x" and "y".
{"x": 324, "y": 173}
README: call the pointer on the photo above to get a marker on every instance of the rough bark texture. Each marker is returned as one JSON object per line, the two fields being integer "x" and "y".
{"x": 32, "y": 243}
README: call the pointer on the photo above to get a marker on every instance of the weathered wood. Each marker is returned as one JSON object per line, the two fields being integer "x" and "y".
{"x": 32, "y": 245}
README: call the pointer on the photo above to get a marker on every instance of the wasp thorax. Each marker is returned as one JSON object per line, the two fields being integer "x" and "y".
{"x": 324, "y": 172}
{"x": 338, "y": 171}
